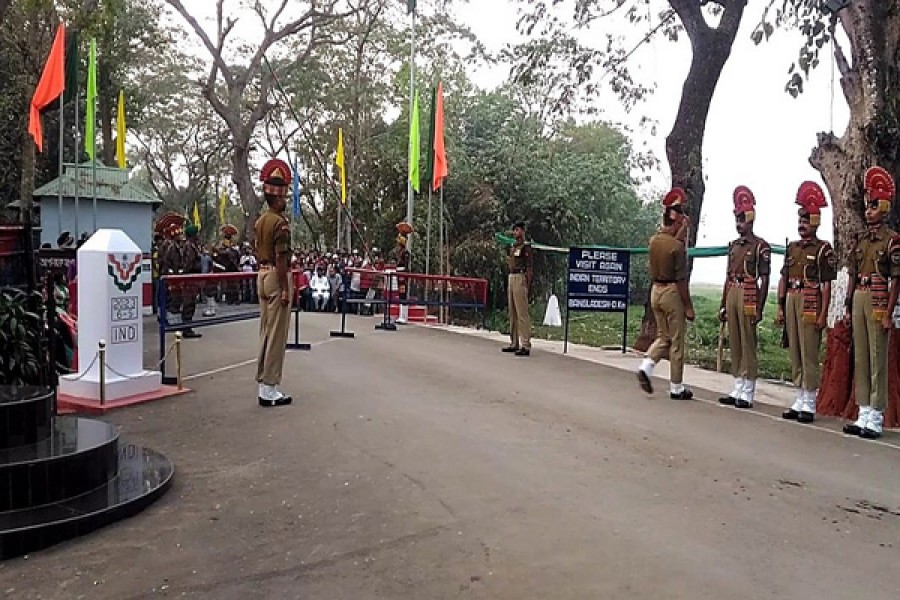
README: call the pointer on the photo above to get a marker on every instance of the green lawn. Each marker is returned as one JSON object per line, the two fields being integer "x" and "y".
{"x": 598, "y": 329}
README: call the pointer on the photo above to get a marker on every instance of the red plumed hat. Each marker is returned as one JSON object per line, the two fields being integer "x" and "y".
{"x": 880, "y": 186}
{"x": 675, "y": 197}
{"x": 276, "y": 177}
{"x": 811, "y": 199}
{"x": 744, "y": 202}
{"x": 229, "y": 230}
{"x": 169, "y": 224}
{"x": 404, "y": 228}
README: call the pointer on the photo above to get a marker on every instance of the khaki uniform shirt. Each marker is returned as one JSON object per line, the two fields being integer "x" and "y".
{"x": 878, "y": 252}
{"x": 749, "y": 257}
{"x": 810, "y": 262}
{"x": 668, "y": 258}
{"x": 273, "y": 236}
{"x": 520, "y": 257}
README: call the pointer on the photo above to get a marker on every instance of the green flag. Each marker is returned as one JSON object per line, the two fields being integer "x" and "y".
{"x": 410, "y": 6}
{"x": 414, "y": 144}
{"x": 429, "y": 164}
{"x": 89, "y": 118}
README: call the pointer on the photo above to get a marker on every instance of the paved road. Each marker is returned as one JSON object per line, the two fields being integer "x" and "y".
{"x": 423, "y": 464}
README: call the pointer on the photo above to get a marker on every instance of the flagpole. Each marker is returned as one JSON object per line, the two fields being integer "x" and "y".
{"x": 428, "y": 235}
{"x": 77, "y": 233}
{"x": 62, "y": 140}
{"x": 410, "y": 197}
{"x": 441, "y": 224}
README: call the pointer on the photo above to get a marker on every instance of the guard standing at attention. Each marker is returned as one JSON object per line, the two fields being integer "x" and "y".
{"x": 670, "y": 298}
{"x": 744, "y": 297}
{"x": 521, "y": 274}
{"x": 871, "y": 298}
{"x": 190, "y": 265}
{"x": 400, "y": 260}
{"x": 804, "y": 295}
{"x": 273, "y": 285}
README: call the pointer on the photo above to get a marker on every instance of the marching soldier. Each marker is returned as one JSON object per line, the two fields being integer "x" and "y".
{"x": 744, "y": 297}
{"x": 521, "y": 273}
{"x": 273, "y": 248}
{"x": 871, "y": 298}
{"x": 670, "y": 298}
{"x": 804, "y": 294}
{"x": 190, "y": 265}
{"x": 400, "y": 260}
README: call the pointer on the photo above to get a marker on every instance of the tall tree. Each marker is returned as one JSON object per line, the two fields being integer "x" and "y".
{"x": 710, "y": 41}
{"x": 870, "y": 82}
{"x": 241, "y": 93}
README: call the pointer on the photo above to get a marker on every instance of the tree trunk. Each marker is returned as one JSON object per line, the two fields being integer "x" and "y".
{"x": 242, "y": 178}
{"x": 870, "y": 81}
{"x": 684, "y": 145}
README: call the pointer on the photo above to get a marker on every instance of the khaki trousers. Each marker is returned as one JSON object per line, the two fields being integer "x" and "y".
{"x": 741, "y": 335}
{"x": 519, "y": 317}
{"x": 870, "y": 342}
{"x": 670, "y": 329}
{"x": 804, "y": 341}
{"x": 274, "y": 321}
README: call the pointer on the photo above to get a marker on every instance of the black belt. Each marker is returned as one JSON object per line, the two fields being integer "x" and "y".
{"x": 517, "y": 271}
{"x": 665, "y": 281}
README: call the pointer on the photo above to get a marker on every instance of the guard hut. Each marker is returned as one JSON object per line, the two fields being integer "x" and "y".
{"x": 122, "y": 203}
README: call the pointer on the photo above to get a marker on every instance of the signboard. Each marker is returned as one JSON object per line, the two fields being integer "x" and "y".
{"x": 598, "y": 280}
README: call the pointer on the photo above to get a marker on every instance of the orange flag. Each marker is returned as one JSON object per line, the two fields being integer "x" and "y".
{"x": 440, "y": 155}
{"x": 51, "y": 85}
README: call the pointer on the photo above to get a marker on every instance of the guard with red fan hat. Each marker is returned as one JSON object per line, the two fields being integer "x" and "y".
{"x": 170, "y": 227}
{"x": 804, "y": 295}
{"x": 400, "y": 260}
{"x": 670, "y": 298}
{"x": 743, "y": 298}
{"x": 874, "y": 267}
{"x": 273, "y": 250}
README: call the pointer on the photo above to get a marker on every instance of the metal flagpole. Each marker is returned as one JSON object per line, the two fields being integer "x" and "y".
{"x": 62, "y": 140}
{"x": 441, "y": 244}
{"x": 77, "y": 232}
{"x": 410, "y": 197}
{"x": 428, "y": 235}
{"x": 94, "y": 187}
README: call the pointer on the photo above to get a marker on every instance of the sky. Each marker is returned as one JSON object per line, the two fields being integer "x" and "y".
{"x": 756, "y": 135}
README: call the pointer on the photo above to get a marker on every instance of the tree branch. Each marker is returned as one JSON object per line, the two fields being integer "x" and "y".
{"x": 691, "y": 17}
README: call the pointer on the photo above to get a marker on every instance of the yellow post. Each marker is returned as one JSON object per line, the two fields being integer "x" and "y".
{"x": 101, "y": 356}
{"x": 178, "y": 380}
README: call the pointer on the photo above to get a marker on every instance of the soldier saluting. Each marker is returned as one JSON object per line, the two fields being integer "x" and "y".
{"x": 743, "y": 298}
{"x": 804, "y": 294}
{"x": 670, "y": 298}
{"x": 521, "y": 273}
{"x": 871, "y": 298}
{"x": 273, "y": 250}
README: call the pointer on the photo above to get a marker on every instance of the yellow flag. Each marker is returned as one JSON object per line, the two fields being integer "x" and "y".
{"x": 223, "y": 200}
{"x": 120, "y": 131}
{"x": 196, "y": 215}
{"x": 339, "y": 161}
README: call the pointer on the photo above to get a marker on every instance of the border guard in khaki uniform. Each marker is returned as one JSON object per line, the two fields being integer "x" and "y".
{"x": 670, "y": 298}
{"x": 804, "y": 295}
{"x": 521, "y": 273}
{"x": 871, "y": 298}
{"x": 744, "y": 298}
{"x": 273, "y": 284}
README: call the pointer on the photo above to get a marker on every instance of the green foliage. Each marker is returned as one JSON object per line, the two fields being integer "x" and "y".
{"x": 21, "y": 330}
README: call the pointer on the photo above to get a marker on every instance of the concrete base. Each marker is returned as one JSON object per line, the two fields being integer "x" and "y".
{"x": 117, "y": 387}
{"x": 72, "y": 405}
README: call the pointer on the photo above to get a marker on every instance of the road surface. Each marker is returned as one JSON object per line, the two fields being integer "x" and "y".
{"x": 425, "y": 464}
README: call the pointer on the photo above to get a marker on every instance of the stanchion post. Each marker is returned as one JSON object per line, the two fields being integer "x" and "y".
{"x": 387, "y": 324}
{"x": 179, "y": 381}
{"x": 343, "y": 333}
{"x": 101, "y": 357}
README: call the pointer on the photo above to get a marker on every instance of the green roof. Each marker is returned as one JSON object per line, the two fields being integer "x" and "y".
{"x": 113, "y": 184}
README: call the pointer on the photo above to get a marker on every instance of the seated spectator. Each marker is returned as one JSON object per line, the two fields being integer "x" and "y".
{"x": 321, "y": 289}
